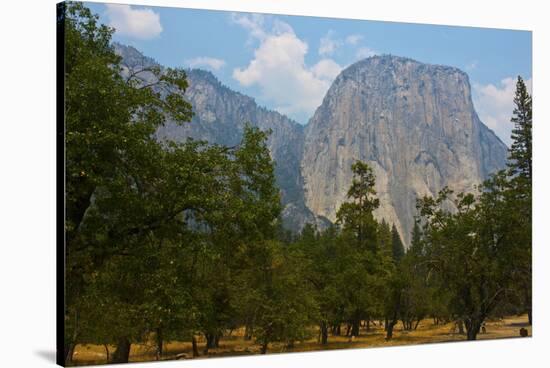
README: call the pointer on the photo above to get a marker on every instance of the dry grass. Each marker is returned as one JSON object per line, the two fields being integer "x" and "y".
{"x": 427, "y": 332}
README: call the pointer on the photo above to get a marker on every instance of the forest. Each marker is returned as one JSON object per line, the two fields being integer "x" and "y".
{"x": 169, "y": 241}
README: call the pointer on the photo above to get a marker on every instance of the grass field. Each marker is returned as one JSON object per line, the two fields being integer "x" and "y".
{"x": 427, "y": 332}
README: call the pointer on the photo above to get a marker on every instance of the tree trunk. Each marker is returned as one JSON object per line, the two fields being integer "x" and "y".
{"x": 395, "y": 317}
{"x": 336, "y": 330}
{"x": 460, "y": 327}
{"x": 368, "y": 324}
{"x": 248, "y": 330}
{"x": 122, "y": 352}
{"x": 159, "y": 343}
{"x": 528, "y": 304}
{"x": 212, "y": 341}
{"x": 76, "y": 209}
{"x": 471, "y": 334}
{"x": 69, "y": 348}
{"x": 417, "y": 323}
{"x": 69, "y": 351}
{"x": 264, "y": 347}
{"x": 107, "y": 352}
{"x": 389, "y": 329}
{"x": 355, "y": 326}
{"x": 472, "y": 328}
{"x": 208, "y": 343}
{"x": 324, "y": 333}
{"x": 195, "y": 347}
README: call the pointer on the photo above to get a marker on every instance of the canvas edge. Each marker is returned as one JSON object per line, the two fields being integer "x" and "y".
{"x": 60, "y": 184}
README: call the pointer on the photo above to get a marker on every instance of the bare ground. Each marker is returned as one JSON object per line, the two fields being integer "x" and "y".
{"x": 427, "y": 332}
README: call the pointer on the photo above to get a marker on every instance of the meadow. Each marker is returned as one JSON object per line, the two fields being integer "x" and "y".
{"x": 427, "y": 332}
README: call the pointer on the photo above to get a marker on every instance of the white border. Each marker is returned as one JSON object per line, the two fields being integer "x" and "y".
{"x": 27, "y": 184}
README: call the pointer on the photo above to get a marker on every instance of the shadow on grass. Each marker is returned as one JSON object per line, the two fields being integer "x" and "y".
{"x": 519, "y": 324}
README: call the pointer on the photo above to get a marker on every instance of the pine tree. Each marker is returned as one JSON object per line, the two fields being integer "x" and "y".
{"x": 398, "y": 250}
{"x": 385, "y": 238}
{"x": 520, "y": 184}
{"x": 356, "y": 216}
{"x": 521, "y": 150}
{"x": 416, "y": 241}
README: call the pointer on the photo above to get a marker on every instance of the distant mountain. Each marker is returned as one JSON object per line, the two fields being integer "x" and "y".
{"x": 220, "y": 117}
{"x": 414, "y": 123}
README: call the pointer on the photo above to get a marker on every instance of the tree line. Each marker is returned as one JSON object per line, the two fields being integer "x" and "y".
{"x": 178, "y": 240}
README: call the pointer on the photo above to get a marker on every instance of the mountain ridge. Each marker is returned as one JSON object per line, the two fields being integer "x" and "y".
{"x": 417, "y": 141}
{"x": 220, "y": 114}
{"x": 414, "y": 123}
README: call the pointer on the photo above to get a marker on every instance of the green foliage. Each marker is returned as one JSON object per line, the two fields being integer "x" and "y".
{"x": 365, "y": 263}
{"x": 398, "y": 250}
{"x": 155, "y": 231}
{"x": 474, "y": 251}
{"x": 521, "y": 152}
{"x": 180, "y": 239}
{"x": 283, "y": 306}
{"x": 385, "y": 241}
{"x": 356, "y": 216}
{"x": 520, "y": 193}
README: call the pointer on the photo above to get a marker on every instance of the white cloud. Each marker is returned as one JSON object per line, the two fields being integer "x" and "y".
{"x": 142, "y": 23}
{"x": 279, "y": 70}
{"x": 365, "y": 52}
{"x": 353, "y": 39}
{"x": 209, "y": 62}
{"x": 253, "y": 23}
{"x": 495, "y": 104}
{"x": 280, "y": 27}
{"x": 326, "y": 69}
{"x": 328, "y": 44}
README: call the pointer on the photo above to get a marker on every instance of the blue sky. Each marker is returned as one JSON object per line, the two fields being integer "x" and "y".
{"x": 287, "y": 63}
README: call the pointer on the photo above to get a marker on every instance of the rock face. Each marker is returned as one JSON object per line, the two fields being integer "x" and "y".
{"x": 220, "y": 117}
{"x": 414, "y": 123}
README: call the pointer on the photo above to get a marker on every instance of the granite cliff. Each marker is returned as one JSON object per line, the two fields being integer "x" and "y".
{"x": 220, "y": 115}
{"x": 414, "y": 123}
